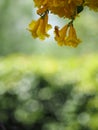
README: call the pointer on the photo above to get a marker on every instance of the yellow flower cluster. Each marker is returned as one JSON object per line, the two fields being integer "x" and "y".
{"x": 40, "y": 27}
{"x": 63, "y": 8}
{"x": 66, "y": 36}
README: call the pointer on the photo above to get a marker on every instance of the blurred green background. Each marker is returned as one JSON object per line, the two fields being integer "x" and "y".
{"x": 44, "y": 86}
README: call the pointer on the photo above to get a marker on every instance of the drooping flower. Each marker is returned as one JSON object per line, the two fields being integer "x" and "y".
{"x": 60, "y": 35}
{"x": 33, "y": 26}
{"x": 71, "y": 39}
{"x": 40, "y": 27}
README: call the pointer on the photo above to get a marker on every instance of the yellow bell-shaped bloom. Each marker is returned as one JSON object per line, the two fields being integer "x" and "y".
{"x": 40, "y": 27}
{"x": 60, "y": 34}
{"x": 33, "y": 26}
{"x": 71, "y": 39}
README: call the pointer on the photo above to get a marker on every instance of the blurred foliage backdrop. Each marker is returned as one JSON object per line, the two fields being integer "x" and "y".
{"x": 44, "y": 86}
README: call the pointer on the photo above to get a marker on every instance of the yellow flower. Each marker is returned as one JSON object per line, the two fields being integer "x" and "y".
{"x": 60, "y": 34}
{"x": 33, "y": 26}
{"x": 40, "y": 27}
{"x": 72, "y": 39}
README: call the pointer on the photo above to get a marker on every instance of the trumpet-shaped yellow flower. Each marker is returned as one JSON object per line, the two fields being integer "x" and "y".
{"x": 72, "y": 39}
{"x": 33, "y": 26}
{"x": 40, "y": 27}
{"x": 60, "y": 34}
